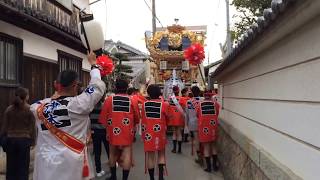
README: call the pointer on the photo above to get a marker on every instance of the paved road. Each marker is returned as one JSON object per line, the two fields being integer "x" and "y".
{"x": 180, "y": 166}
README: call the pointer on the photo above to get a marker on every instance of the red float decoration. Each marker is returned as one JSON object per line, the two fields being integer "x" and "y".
{"x": 194, "y": 54}
{"x": 106, "y": 65}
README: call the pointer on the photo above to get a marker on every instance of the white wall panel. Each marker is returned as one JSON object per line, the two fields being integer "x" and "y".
{"x": 300, "y": 120}
{"x": 298, "y": 83}
{"x": 301, "y": 159}
{"x": 275, "y": 98}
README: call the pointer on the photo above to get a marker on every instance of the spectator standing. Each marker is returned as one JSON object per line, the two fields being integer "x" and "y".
{"x": 18, "y": 127}
{"x": 99, "y": 136}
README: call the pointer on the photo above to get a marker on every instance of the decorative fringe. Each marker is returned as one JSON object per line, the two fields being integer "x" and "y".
{"x": 85, "y": 169}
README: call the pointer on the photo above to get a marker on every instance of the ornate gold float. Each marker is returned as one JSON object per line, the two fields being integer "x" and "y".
{"x": 167, "y": 47}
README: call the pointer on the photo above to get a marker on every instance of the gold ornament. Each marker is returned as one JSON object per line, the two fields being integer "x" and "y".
{"x": 175, "y": 40}
{"x": 176, "y": 28}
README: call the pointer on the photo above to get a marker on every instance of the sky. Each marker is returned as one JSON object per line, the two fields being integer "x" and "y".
{"x": 127, "y": 20}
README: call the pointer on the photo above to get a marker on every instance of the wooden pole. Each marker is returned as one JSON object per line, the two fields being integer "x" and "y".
{"x": 154, "y": 25}
{"x": 203, "y": 80}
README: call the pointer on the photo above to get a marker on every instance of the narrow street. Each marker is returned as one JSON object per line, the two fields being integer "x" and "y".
{"x": 180, "y": 166}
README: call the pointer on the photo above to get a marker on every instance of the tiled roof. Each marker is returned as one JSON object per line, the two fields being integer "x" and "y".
{"x": 137, "y": 67}
{"x": 270, "y": 15}
{"x": 132, "y": 49}
{"x": 139, "y": 54}
{"x": 212, "y": 64}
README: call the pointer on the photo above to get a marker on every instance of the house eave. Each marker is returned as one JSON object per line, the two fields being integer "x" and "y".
{"x": 29, "y": 22}
{"x": 277, "y": 22}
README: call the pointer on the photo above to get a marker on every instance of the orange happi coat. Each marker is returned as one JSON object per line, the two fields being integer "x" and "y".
{"x": 119, "y": 114}
{"x": 177, "y": 116}
{"x": 207, "y": 112}
{"x": 154, "y": 124}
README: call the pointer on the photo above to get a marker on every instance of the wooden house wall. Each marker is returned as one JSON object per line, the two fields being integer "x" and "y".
{"x": 85, "y": 78}
{"x": 6, "y": 96}
{"x": 39, "y": 77}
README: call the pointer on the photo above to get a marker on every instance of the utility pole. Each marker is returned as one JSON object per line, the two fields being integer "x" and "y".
{"x": 154, "y": 25}
{"x": 229, "y": 43}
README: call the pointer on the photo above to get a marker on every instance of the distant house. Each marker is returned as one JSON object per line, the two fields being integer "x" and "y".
{"x": 38, "y": 39}
{"x": 208, "y": 70}
{"x": 270, "y": 96}
{"x": 136, "y": 59}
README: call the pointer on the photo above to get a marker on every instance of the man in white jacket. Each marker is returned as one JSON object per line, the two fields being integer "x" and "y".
{"x": 64, "y": 127}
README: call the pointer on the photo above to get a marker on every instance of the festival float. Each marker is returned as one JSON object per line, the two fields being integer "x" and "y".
{"x": 176, "y": 57}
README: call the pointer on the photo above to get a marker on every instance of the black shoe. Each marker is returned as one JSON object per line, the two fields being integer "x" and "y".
{"x": 199, "y": 161}
{"x": 113, "y": 171}
{"x": 179, "y": 152}
{"x": 215, "y": 168}
{"x": 179, "y": 147}
{"x": 208, "y": 163}
{"x": 174, "y": 151}
{"x": 207, "y": 170}
{"x": 215, "y": 163}
{"x": 110, "y": 178}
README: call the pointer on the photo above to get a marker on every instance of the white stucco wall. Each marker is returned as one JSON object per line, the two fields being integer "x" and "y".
{"x": 40, "y": 47}
{"x": 82, "y": 4}
{"x": 274, "y": 99}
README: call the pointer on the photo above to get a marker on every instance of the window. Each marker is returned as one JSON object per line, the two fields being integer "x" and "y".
{"x": 10, "y": 59}
{"x": 164, "y": 44}
{"x": 69, "y": 62}
{"x": 186, "y": 42}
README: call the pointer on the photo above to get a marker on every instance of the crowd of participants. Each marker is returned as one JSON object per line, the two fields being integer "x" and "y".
{"x": 69, "y": 120}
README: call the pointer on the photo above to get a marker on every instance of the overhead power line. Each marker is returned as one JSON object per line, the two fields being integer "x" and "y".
{"x": 151, "y": 12}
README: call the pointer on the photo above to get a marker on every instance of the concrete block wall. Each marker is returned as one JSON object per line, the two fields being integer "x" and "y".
{"x": 271, "y": 96}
